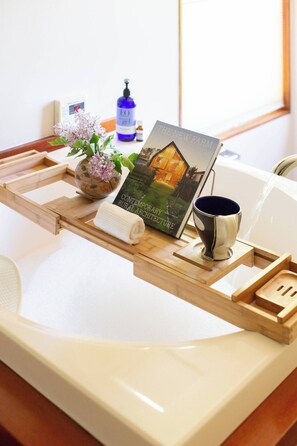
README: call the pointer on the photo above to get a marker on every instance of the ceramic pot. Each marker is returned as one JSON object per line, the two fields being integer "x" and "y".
{"x": 92, "y": 186}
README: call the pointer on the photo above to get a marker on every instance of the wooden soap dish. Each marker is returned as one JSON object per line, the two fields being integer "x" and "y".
{"x": 279, "y": 295}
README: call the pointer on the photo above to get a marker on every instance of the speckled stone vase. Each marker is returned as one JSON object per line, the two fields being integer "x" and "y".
{"x": 94, "y": 187}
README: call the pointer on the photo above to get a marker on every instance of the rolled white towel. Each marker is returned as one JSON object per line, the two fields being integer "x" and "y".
{"x": 120, "y": 223}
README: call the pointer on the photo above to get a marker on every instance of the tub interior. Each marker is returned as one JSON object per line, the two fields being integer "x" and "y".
{"x": 78, "y": 288}
{"x": 81, "y": 289}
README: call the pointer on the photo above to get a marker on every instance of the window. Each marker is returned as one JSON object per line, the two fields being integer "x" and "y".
{"x": 234, "y": 64}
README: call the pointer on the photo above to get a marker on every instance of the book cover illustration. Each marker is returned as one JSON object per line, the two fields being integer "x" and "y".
{"x": 169, "y": 173}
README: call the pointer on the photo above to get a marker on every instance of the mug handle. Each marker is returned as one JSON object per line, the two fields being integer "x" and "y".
{"x": 227, "y": 228}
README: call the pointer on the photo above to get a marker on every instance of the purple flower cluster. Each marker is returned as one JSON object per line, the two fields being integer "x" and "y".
{"x": 101, "y": 166}
{"x": 83, "y": 128}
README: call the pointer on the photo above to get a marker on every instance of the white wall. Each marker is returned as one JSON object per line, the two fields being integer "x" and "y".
{"x": 56, "y": 48}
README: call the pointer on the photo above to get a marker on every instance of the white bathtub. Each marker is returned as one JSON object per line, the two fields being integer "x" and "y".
{"x": 133, "y": 364}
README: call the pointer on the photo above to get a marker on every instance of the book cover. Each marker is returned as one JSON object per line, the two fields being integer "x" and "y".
{"x": 169, "y": 174}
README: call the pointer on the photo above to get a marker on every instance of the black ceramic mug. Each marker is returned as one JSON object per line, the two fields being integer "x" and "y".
{"x": 217, "y": 220}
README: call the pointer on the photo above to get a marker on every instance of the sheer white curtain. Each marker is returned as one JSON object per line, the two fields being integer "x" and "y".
{"x": 232, "y": 68}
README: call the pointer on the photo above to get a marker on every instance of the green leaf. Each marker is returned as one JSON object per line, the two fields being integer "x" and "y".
{"x": 133, "y": 157}
{"x": 73, "y": 151}
{"x": 126, "y": 162}
{"x": 94, "y": 139}
{"x": 88, "y": 151}
{"x": 117, "y": 165}
{"x": 61, "y": 140}
{"x": 78, "y": 144}
{"x": 115, "y": 156}
{"x": 107, "y": 142}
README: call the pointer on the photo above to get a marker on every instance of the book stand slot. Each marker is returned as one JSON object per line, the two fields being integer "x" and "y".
{"x": 267, "y": 303}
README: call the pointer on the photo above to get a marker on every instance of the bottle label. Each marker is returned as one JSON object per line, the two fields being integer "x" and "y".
{"x": 126, "y": 122}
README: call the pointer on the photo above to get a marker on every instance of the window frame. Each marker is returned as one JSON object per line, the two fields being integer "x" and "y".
{"x": 263, "y": 119}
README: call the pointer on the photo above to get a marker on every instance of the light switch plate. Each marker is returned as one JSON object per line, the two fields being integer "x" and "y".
{"x": 65, "y": 108}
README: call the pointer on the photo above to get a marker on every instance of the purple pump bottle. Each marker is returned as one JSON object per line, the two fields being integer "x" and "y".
{"x": 125, "y": 120}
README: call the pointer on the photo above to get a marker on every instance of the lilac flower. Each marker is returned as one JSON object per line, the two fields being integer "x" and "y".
{"x": 86, "y": 137}
{"x": 67, "y": 131}
{"x": 101, "y": 166}
{"x": 86, "y": 125}
{"x": 82, "y": 128}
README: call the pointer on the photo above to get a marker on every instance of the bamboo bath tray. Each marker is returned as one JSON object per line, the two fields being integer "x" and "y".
{"x": 171, "y": 264}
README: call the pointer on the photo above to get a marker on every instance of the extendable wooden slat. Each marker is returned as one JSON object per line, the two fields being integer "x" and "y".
{"x": 37, "y": 179}
{"x": 17, "y": 156}
{"x": 35, "y": 212}
{"x": 19, "y": 165}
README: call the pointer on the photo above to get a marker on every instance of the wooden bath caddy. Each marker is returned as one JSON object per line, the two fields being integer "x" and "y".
{"x": 267, "y": 303}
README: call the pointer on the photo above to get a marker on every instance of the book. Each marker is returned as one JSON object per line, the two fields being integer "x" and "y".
{"x": 169, "y": 173}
